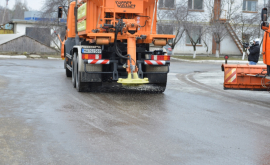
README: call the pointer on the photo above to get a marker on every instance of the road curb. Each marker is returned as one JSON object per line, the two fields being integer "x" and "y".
{"x": 52, "y": 58}
{"x": 25, "y": 57}
{"x": 214, "y": 61}
{"x": 13, "y": 57}
{"x": 35, "y": 56}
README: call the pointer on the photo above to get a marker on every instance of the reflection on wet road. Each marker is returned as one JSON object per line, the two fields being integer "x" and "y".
{"x": 46, "y": 121}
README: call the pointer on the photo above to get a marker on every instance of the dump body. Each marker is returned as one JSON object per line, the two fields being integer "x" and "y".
{"x": 93, "y": 18}
{"x": 109, "y": 41}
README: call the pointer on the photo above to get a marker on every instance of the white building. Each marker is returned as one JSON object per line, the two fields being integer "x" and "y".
{"x": 200, "y": 11}
{"x": 30, "y": 26}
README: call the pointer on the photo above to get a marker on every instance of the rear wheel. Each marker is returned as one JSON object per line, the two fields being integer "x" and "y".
{"x": 74, "y": 62}
{"x": 80, "y": 86}
{"x": 158, "y": 81}
{"x": 161, "y": 88}
{"x": 68, "y": 72}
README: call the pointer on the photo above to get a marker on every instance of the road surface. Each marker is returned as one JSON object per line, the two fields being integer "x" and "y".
{"x": 43, "y": 120}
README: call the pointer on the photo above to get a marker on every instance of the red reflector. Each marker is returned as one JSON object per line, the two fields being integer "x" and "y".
{"x": 161, "y": 57}
{"x": 91, "y": 56}
{"x": 226, "y": 57}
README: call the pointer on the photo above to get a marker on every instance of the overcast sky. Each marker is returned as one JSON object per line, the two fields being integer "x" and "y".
{"x": 32, "y": 4}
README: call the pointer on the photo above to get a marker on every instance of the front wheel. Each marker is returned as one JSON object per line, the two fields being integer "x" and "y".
{"x": 68, "y": 72}
{"x": 80, "y": 86}
{"x": 74, "y": 62}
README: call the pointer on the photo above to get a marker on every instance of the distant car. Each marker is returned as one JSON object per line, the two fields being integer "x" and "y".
{"x": 167, "y": 49}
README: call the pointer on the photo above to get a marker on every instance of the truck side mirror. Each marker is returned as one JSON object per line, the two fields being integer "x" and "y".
{"x": 60, "y": 12}
{"x": 264, "y": 14}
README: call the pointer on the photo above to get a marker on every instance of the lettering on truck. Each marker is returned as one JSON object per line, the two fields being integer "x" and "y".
{"x": 125, "y": 4}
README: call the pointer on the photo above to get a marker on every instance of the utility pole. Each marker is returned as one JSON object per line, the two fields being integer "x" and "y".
{"x": 4, "y": 12}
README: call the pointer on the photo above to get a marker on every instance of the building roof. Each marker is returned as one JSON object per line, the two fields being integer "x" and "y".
{"x": 22, "y": 21}
{"x": 4, "y": 38}
{"x": 35, "y": 20}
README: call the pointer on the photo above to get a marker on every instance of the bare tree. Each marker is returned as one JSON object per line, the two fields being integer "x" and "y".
{"x": 246, "y": 24}
{"x": 17, "y": 12}
{"x": 51, "y": 21}
{"x": 194, "y": 32}
{"x": 19, "y": 9}
{"x": 217, "y": 28}
{"x": 232, "y": 8}
{"x": 206, "y": 38}
{"x": 5, "y": 15}
{"x": 219, "y": 32}
{"x": 180, "y": 17}
{"x": 219, "y": 14}
{"x": 172, "y": 21}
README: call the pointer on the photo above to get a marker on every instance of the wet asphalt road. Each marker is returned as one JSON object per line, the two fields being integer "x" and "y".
{"x": 43, "y": 120}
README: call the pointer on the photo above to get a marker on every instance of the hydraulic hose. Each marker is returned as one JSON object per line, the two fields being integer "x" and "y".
{"x": 117, "y": 49}
{"x": 115, "y": 44}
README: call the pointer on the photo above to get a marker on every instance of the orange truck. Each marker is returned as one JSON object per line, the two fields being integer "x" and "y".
{"x": 107, "y": 43}
{"x": 251, "y": 77}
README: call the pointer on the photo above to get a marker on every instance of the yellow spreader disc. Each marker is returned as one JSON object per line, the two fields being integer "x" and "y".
{"x": 133, "y": 81}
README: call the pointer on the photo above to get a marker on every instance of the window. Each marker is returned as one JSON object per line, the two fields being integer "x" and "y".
{"x": 195, "y": 4}
{"x": 195, "y": 33}
{"x": 250, "y": 5}
{"x": 246, "y": 37}
{"x": 42, "y": 35}
{"x": 165, "y": 29}
{"x": 166, "y": 4}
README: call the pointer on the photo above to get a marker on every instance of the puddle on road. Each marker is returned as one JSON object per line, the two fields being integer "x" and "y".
{"x": 200, "y": 71}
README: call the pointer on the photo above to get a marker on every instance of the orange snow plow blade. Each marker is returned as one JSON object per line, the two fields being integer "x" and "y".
{"x": 251, "y": 77}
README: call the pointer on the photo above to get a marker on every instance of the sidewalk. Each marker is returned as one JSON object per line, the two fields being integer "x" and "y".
{"x": 196, "y": 61}
{"x": 27, "y": 57}
{"x": 216, "y": 61}
{"x": 15, "y": 56}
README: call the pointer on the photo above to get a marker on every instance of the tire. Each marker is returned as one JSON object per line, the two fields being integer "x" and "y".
{"x": 161, "y": 88}
{"x": 80, "y": 86}
{"x": 68, "y": 72}
{"x": 74, "y": 62}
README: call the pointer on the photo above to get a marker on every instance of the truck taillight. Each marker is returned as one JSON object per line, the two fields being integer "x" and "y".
{"x": 91, "y": 56}
{"x": 161, "y": 57}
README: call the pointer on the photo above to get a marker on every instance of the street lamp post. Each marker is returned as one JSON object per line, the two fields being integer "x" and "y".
{"x": 4, "y": 13}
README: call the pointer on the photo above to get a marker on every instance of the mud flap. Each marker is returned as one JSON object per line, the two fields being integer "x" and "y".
{"x": 86, "y": 77}
{"x": 157, "y": 74}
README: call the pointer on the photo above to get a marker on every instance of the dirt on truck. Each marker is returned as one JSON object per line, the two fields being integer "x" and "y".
{"x": 107, "y": 45}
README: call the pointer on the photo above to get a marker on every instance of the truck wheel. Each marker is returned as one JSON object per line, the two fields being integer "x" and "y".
{"x": 68, "y": 72}
{"x": 74, "y": 62}
{"x": 79, "y": 85}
